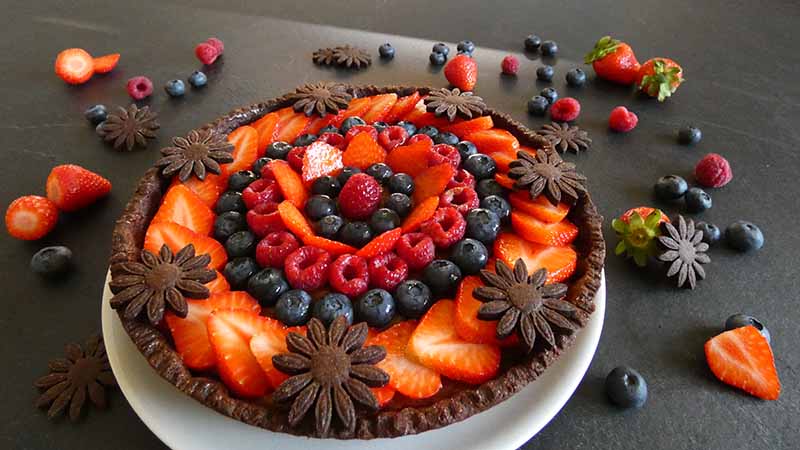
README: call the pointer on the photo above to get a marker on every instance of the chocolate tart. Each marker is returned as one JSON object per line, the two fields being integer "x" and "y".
{"x": 454, "y": 403}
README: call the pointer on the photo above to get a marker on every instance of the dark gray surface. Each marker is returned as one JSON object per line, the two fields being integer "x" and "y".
{"x": 741, "y": 62}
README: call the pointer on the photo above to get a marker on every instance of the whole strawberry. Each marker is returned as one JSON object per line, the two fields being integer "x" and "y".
{"x": 613, "y": 60}
{"x": 462, "y": 72}
{"x": 659, "y": 77}
{"x": 72, "y": 187}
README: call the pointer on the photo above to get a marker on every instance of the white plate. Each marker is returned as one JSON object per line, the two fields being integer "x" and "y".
{"x": 183, "y": 423}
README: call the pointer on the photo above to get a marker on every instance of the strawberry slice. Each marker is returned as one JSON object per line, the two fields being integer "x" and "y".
{"x": 411, "y": 159}
{"x": 207, "y": 190}
{"x": 379, "y": 107}
{"x": 218, "y": 285}
{"x": 422, "y": 212}
{"x": 535, "y": 230}
{"x": 504, "y": 180}
{"x": 432, "y": 181}
{"x": 271, "y": 341}
{"x": 540, "y": 207}
{"x": 294, "y": 220}
{"x": 335, "y": 248}
{"x": 403, "y": 106}
{"x": 436, "y": 345}
{"x": 321, "y": 159}
{"x": 74, "y": 65}
{"x": 406, "y": 376}
{"x": 560, "y": 262}
{"x": 290, "y": 127}
{"x": 363, "y": 151}
{"x": 494, "y": 140}
{"x": 502, "y": 160}
{"x": 381, "y": 244}
{"x": 467, "y": 324}
{"x": 357, "y": 107}
{"x": 245, "y": 150}
{"x": 318, "y": 123}
{"x": 420, "y": 117}
{"x": 290, "y": 183}
{"x": 190, "y": 334}
{"x": 105, "y": 63}
{"x": 177, "y": 236}
{"x": 180, "y": 205}
{"x": 467, "y": 127}
{"x": 743, "y": 358}
{"x": 383, "y": 394}
{"x": 265, "y": 127}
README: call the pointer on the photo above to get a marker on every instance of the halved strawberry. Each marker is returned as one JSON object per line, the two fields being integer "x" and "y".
{"x": 467, "y": 127}
{"x": 502, "y": 160}
{"x": 560, "y": 262}
{"x": 180, "y": 205}
{"x": 494, "y": 140}
{"x": 534, "y": 230}
{"x": 335, "y": 248}
{"x": 432, "y": 181}
{"x": 218, "y": 285}
{"x": 540, "y": 207}
{"x": 290, "y": 183}
{"x": 177, "y": 236}
{"x": 411, "y": 159}
{"x": 381, "y": 244}
{"x": 294, "y": 220}
{"x": 31, "y": 217}
{"x": 265, "y": 127}
{"x": 383, "y": 394}
{"x": 207, "y": 190}
{"x": 643, "y": 211}
{"x": 105, "y": 63}
{"x": 271, "y": 341}
{"x": 379, "y": 107}
{"x": 245, "y": 150}
{"x": 743, "y": 358}
{"x": 436, "y": 345}
{"x": 408, "y": 377}
{"x": 318, "y": 123}
{"x": 290, "y": 127}
{"x": 467, "y": 324}
{"x": 74, "y": 65}
{"x": 363, "y": 151}
{"x": 504, "y": 180}
{"x": 357, "y": 107}
{"x": 403, "y": 106}
{"x": 71, "y": 187}
{"x": 321, "y": 159}
{"x": 420, "y": 117}
{"x": 422, "y": 212}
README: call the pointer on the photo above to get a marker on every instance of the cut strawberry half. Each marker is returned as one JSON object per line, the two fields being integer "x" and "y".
{"x": 502, "y": 160}
{"x": 74, "y": 65}
{"x": 383, "y": 243}
{"x": 363, "y": 151}
{"x": 560, "y": 262}
{"x": 289, "y": 181}
{"x": 335, "y": 248}
{"x": 180, "y": 205}
{"x": 105, "y": 63}
{"x": 379, "y": 107}
{"x": 467, "y": 324}
{"x": 494, "y": 140}
{"x": 357, "y": 107}
{"x": 265, "y": 127}
{"x": 504, "y": 180}
{"x": 177, "y": 236}
{"x": 403, "y": 106}
{"x": 294, "y": 220}
{"x": 743, "y": 358}
{"x": 422, "y": 212}
{"x": 207, "y": 190}
{"x": 432, "y": 181}
{"x": 383, "y": 394}
{"x": 218, "y": 285}
{"x": 535, "y": 230}
{"x": 467, "y": 127}
{"x": 539, "y": 207}
{"x": 290, "y": 127}
{"x": 411, "y": 159}
{"x": 318, "y": 123}
{"x": 245, "y": 150}
{"x": 405, "y": 375}
{"x": 420, "y": 117}
{"x": 321, "y": 159}
{"x": 271, "y": 341}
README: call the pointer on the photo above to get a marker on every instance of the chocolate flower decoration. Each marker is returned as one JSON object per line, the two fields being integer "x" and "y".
{"x": 129, "y": 127}
{"x": 454, "y": 102}
{"x": 161, "y": 280}
{"x": 351, "y": 57}
{"x": 200, "y": 152}
{"x": 565, "y": 137}
{"x": 685, "y": 251}
{"x": 322, "y": 98}
{"x": 330, "y": 370}
{"x": 548, "y": 174}
{"x": 324, "y": 56}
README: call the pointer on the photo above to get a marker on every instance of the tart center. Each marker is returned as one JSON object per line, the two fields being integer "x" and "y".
{"x": 525, "y": 297}
{"x": 162, "y": 277}
{"x": 330, "y": 365}
{"x": 84, "y": 371}
{"x": 196, "y": 152}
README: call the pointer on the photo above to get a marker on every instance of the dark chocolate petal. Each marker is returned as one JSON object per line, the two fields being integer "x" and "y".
{"x": 520, "y": 271}
{"x": 361, "y": 393}
{"x": 302, "y": 403}
{"x": 493, "y": 310}
{"x": 344, "y": 408}
{"x": 355, "y": 337}
{"x": 507, "y": 323}
{"x": 291, "y": 363}
{"x": 527, "y": 332}
{"x": 323, "y": 412}
{"x": 557, "y": 319}
{"x": 291, "y": 386}
{"x": 59, "y": 365}
{"x": 316, "y": 333}
{"x": 368, "y": 355}
{"x": 543, "y": 329}
{"x": 297, "y": 343}
{"x": 50, "y": 380}
{"x": 76, "y": 403}
{"x": 369, "y": 374}
{"x": 488, "y": 294}
{"x": 51, "y": 394}
{"x": 337, "y": 330}
{"x": 97, "y": 394}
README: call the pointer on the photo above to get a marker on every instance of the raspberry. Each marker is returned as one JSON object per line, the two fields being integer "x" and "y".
{"x": 265, "y": 219}
{"x": 713, "y": 171}
{"x": 386, "y": 271}
{"x": 261, "y": 191}
{"x": 463, "y": 199}
{"x": 274, "y": 248}
{"x": 358, "y": 129}
{"x": 510, "y": 65}
{"x": 139, "y": 87}
{"x": 622, "y": 120}
{"x": 334, "y": 139}
{"x": 462, "y": 178}
{"x": 446, "y": 227}
{"x": 206, "y": 53}
{"x": 295, "y": 158}
{"x": 565, "y": 109}
{"x": 447, "y": 153}
{"x": 416, "y": 249}
{"x": 307, "y": 268}
{"x": 349, "y": 275}
{"x": 217, "y": 44}
{"x": 359, "y": 197}
{"x": 392, "y": 137}
{"x": 419, "y": 137}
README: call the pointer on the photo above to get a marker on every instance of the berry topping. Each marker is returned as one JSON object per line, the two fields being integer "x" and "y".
{"x": 335, "y": 248}
{"x": 463, "y": 199}
{"x": 446, "y": 227}
{"x": 482, "y": 224}
{"x": 352, "y": 121}
{"x": 180, "y": 205}
{"x": 422, "y": 212}
{"x": 466, "y": 321}
{"x": 265, "y": 219}
{"x": 293, "y": 308}
{"x": 320, "y": 159}
{"x": 621, "y": 120}
{"x": 241, "y": 179}
{"x": 560, "y": 262}
{"x": 469, "y": 255}
{"x": 74, "y": 65}
{"x": 307, "y": 268}
{"x": 670, "y": 187}
{"x": 295, "y": 158}
{"x": 626, "y": 387}
{"x": 495, "y": 204}
{"x": 416, "y": 249}
{"x": 332, "y": 138}
{"x": 359, "y": 197}
{"x": 363, "y": 151}
{"x": 206, "y": 53}
{"x": 380, "y": 171}
{"x": 432, "y": 181}
{"x": 326, "y": 185}
{"x": 713, "y": 171}
{"x": 462, "y": 72}
{"x": 384, "y": 220}
{"x": 273, "y": 249}
{"x": 689, "y": 135}
{"x": 357, "y": 234}
{"x": 413, "y": 298}
{"x": 510, "y": 65}
{"x": 72, "y": 187}
{"x": 349, "y": 275}
{"x": 294, "y": 220}
{"x": 269, "y": 342}
{"x": 278, "y": 150}
{"x": 289, "y": 182}
{"x": 535, "y": 230}
{"x": 358, "y": 129}
{"x": 392, "y": 137}
{"x": 329, "y": 226}
{"x": 245, "y": 150}
{"x": 539, "y": 207}
{"x": 387, "y": 270}
{"x": 461, "y": 178}
{"x": 743, "y": 236}
{"x": 331, "y": 306}
{"x": 401, "y": 183}
{"x": 376, "y": 307}
{"x": 139, "y": 87}
{"x": 267, "y": 285}
{"x": 743, "y": 358}
{"x": 319, "y": 206}
{"x": 399, "y": 203}
{"x": 467, "y": 127}
{"x": 442, "y": 276}
{"x": 408, "y": 377}
{"x": 346, "y": 173}
{"x": 31, "y": 217}
{"x": 565, "y": 109}
{"x": 445, "y": 153}
{"x": 480, "y": 166}
{"x": 411, "y": 158}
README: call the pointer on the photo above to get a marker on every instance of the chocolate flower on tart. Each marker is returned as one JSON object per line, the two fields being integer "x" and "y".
{"x": 201, "y": 151}
{"x": 324, "y": 56}
{"x": 685, "y": 250}
{"x": 159, "y": 281}
{"x": 85, "y": 372}
{"x": 129, "y": 127}
{"x": 351, "y": 57}
{"x": 330, "y": 370}
{"x": 524, "y": 303}
{"x": 322, "y": 98}
{"x": 565, "y": 137}
{"x": 549, "y": 174}
{"x": 454, "y": 102}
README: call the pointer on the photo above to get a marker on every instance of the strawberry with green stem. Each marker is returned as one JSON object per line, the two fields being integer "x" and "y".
{"x": 659, "y": 77}
{"x": 638, "y": 230}
{"x": 613, "y": 60}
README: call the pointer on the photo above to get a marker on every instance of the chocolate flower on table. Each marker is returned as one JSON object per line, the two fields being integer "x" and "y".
{"x": 159, "y": 281}
{"x": 565, "y": 137}
{"x": 454, "y": 102}
{"x": 85, "y": 372}
{"x": 549, "y": 174}
{"x": 199, "y": 152}
{"x": 524, "y": 303}
{"x": 330, "y": 370}
{"x": 324, "y": 56}
{"x": 322, "y": 98}
{"x": 351, "y": 57}
{"x": 685, "y": 251}
{"x": 129, "y": 127}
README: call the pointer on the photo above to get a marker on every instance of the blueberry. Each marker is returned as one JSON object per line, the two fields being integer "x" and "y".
{"x": 497, "y": 205}
{"x": 545, "y": 73}
{"x": 626, "y": 387}
{"x": 551, "y": 94}
{"x": 305, "y": 139}
{"x": 380, "y": 126}
{"x": 293, "y": 308}
{"x": 260, "y": 164}
{"x": 442, "y": 276}
{"x": 429, "y": 130}
{"x": 380, "y": 171}
{"x": 442, "y": 48}
{"x": 743, "y": 320}
{"x": 576, "y": 77}
{"x": 175, "y": 88}
{"x": 98, "y": 130}
{"x": 329, "y": 226}
{"x": 399, "y": 203}
{"x": 711, "y": 232}
{"x": 466, "y": 149}
{"x": 437, "y": 59}
{"x": 466, "y": 47}
{"x": 401, "y": 183}
{"x": 198, "y": 79}
{"x": 483, "y": 225}
{"x": 278, "y": 150}
{"x": 333, "y": 305}
{"x": 410, "y": 128}
{"x": 241, "y": 179}
{"x": 670, "y": 187}
{"x": 239, "y": 270}
{"x": 487, "y": 187}
{"x": 744, "y": 236}
{"x": 538, "y": 105}
{"x": 241, "y": 243}
{"x": 386, "y": 51}
{"x": 697, "y": 200}
{"x": 532, "y": 43}
{"x": 52, "y": 261}
{"x": 230, "y": 201}
{"x": 350, "y": 122}
{"x": 228, "y": 223}
{"x": 96, "y": 114}
{"x": 480, "y": 166}
{"x": 469, "y": 255}
{"x": 357, "y": 234}
{"x": 445, "y": 138}
{"x": 326, "y": 185}
{"x": 329, "y": 129}
{"x": 549, "y": 48}
{"x": 346, "y": 173}
{"x": 267, "y": 285}
{"x": 413, "y": 298}
{"x": 376, "y": 307}
{"x": 319, "y": 206}
{"x": 384, "y": 219}
{"x": 689, "y": 135}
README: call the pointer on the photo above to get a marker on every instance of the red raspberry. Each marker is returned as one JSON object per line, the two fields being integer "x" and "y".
{"x": 387, "y": 270}
{"x": 295, "y": 158}
{"x": 349, "y": 275}
{"x": 462, "y": 178}
{"x": 139, "y": 87}
{"x": 217, "y": 44}
{"x": 206, "y": 53}
{"x": 358, "y": 129}
{"x": 713, "y": 171}
{"x": 448, "y": 154}
{"x": 463, "y": 199}
{"x": 307, "y": 268}
{"x": 416, "y": 249}
{"x": 267, "y": 175}
{"x": 392, "y": 137}
{"x": 359, "y": 197}
{"x": 419, "y": 137}
{"x": 274, "y": 248}
{"x": 261, "y": 191}
{"x": 334, "y": 139}
{"x": 510, "y": 65}
{"x": 264, "y": 219}
{"x": 446, "y": 227}
{"x": 622, "y": 120}
{"x": 565, "y": 110}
